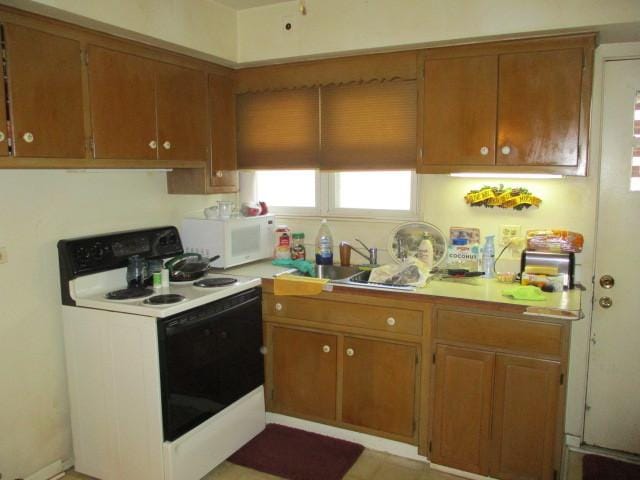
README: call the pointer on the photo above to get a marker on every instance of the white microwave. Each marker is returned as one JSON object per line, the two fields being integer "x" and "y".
{"x": 237, "y": 240}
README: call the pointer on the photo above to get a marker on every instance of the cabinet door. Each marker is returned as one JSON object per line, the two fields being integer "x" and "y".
{"x": 123, "y": 105}
{"x": 181, "y": 95}
{"x": 539, "y": 108}
{"x": 223, "y": 132}
{"x": 462, "y": 408}
{"x": 379, "y": 380}
{"x": 4, "y": 127}
{"x": 304, "y": 373}
{"x": 460, "y": 101}
{"x": 524, "y": 418}
{"x": 45, "y": 94}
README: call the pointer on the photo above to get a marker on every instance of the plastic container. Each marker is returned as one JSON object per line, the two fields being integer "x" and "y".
{"x": 488, "y": 256}
{"x": 324, "y": 244}
{"x": 425, "y": 251}
{"x": 464, "y": 256}
{"x": 298, "y": 251}
{"x": 282, "y": 248}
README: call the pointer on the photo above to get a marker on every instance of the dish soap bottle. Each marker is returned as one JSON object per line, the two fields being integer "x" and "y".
{"x": 324, "y": 244}
{"x": 488, "y": 256}
{"x": 425, "y": 251}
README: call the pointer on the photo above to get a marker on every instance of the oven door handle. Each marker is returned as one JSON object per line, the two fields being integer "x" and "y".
{"x": 178, "y": 325}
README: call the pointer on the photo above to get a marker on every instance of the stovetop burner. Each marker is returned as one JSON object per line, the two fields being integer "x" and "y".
{"x": 214, "y": 282}
{"x": 164, "y": 299}
{"x": 129, "y": 293}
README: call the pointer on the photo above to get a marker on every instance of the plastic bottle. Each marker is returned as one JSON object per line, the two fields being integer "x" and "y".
{"x": 425, "y": 251}
{"x": 488, "y": 256}
{"x": 324, "y": 244}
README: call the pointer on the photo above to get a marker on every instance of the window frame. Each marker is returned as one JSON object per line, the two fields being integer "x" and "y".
{"x": 326, "y": 198}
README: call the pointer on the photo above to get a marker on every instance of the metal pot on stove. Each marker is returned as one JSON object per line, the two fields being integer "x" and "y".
{"x": 188, "y": 267}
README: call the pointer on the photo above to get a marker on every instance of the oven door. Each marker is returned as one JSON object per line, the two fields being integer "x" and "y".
{"x": 210, "y": 357}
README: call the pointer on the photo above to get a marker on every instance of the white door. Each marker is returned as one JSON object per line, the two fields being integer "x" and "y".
{"x": 612, "y": 418}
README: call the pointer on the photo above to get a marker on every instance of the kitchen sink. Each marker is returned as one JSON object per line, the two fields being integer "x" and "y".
{"x": 335, "y": 272}
{"x": 361, "y": 279}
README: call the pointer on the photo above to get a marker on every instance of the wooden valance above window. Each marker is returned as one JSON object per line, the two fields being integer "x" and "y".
{"x": 332, "y": 71}
{"x": 278, "y": 129}
{"x": 368, "y": 126}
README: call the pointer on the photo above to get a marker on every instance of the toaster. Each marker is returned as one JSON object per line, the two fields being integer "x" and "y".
{"x": 564, "y": 262}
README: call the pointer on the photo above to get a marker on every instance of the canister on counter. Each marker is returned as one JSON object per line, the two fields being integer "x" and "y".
{"x": 298, "y": 251}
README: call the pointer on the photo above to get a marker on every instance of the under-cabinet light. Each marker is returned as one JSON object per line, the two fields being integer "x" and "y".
{"x": 506, "y": 175}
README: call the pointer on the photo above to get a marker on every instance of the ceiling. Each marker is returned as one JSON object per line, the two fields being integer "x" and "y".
{"x": 244, "y": 4}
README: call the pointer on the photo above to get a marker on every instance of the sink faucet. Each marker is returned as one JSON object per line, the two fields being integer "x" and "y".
{"x": 372, "y": 256}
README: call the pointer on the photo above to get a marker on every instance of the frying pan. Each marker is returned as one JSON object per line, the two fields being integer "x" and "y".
{"x": 189, "y": 266}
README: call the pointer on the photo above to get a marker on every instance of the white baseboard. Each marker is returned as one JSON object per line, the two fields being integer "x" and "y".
{"x": 51, "y": 470}
{"x": 369, "y": 441}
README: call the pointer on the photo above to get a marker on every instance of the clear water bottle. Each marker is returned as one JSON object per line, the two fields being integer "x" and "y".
{"x": 488, "y": 256}
{"x": 324, "y": 244}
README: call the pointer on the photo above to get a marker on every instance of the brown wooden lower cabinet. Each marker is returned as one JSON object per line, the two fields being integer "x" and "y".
{"x": 304, "y": 372}
{"x": 378, "y": 385}
{"x": 524, "y": 418}
{"x": 360, "y": 383}
{"x": 495, "y": 414}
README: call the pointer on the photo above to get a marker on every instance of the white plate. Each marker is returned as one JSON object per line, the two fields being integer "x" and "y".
{"x": 412, "y": 234}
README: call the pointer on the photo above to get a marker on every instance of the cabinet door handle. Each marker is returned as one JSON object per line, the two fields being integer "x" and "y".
{"x": 167, "y": 145}
{"x": 506, "y": 150}
{"x": 219, "y": 173}
{"x": 484, "y": 151}
{"x": 278, "y": 307}
{"x": 153, "y": 144}
{"x": 391, "y": 321}
{"x": 28, "y": 137}
{"x": 2, "y": 137}
{"x": 326, "y": 348}
{"x": 350, "y": 352}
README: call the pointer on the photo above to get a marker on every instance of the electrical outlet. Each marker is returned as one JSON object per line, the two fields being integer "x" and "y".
{"x": 4, "y": 258}
{"x": 509, "y": 233}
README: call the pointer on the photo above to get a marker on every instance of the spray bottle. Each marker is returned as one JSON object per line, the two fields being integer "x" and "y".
{"x": 488, "y": 256}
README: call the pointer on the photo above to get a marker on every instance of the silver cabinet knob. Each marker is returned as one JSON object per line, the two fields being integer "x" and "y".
{"x": 219, "y": 173}
{"x": 605, "y": 302}
{"x": 153, "y": 144}
{"x": 326, "y": 348}
{"x": 2, "y": 137}
{"x": 607, "y": 281}
{"x": 278, "y": 307}
{"x": 391, "y": 321}
{"x": 166, "y": 145}
{"x": 350, "y": 352}
{"x": 484, "y": 151}
{"x": 506, "y": 150}
{"x": 28, "y": 137}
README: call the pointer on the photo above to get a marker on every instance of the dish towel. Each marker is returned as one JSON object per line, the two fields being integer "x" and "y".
{"x": 294, "y": 285}
{"x": 527, "y": 292}
{"x": 302, "y": 265}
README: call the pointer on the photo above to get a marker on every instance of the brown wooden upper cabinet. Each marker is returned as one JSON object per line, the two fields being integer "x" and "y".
{"x": 45, "y": 95}
{"x": 507, "y": 106}
{"x": 146, "y": 110}
{"x": 222, "y": 124}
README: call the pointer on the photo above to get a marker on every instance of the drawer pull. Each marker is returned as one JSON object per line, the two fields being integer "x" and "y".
{"x": 166, "y": 145}
{"x": 506, "y": 150}
{"x": 484, "y": 151}
{"x": 28, "y": 137}
{"x": 153, "y": 144}
{"x": 278, "y": 307}
{"x": 219, "y": 173}
{"x": 391, "y": 321}
{"x": 2, "y": 137}
{"x": 326, "y": 348}
{"x": 350, "y": 352}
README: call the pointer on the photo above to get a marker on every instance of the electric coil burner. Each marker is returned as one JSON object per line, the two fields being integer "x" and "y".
{"x": 165, "y": 299}
{"x": 214, "y": 282}
{"x": 129, "y": 293}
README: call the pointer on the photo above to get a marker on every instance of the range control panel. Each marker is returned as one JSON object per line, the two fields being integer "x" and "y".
{"x": 86, "y": 255}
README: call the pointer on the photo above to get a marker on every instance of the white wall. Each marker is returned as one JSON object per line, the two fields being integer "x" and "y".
{"x": 341, "y": 26}
{"x": 37, "y": 208}
{"x": 199, "y": 25}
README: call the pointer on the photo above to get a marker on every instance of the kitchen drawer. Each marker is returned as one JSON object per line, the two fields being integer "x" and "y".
{"x": 499, "y": 332}
{"x": 386, "y": 319}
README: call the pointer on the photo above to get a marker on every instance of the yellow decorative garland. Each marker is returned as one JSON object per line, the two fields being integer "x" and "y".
{"x": 516, "y": 198}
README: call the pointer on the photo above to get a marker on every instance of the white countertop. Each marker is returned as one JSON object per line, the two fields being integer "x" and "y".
{"x": 475, "y": 289}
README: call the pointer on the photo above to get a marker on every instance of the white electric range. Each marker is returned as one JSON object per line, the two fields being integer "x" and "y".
{"x": 157, "y": 391}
